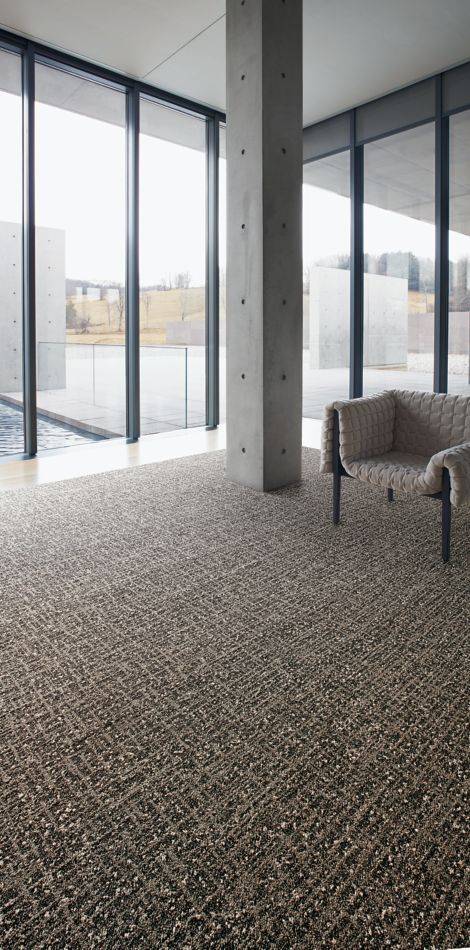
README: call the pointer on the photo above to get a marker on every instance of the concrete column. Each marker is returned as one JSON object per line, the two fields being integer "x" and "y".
{"x": 264, "y": 242}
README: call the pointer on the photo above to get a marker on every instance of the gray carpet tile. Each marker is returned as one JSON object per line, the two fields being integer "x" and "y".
{"x": 226, "y": 723}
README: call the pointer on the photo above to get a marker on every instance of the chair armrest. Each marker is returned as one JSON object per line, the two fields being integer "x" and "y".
{"x": 457, "y": 460}
{"x": 366, "y": 428}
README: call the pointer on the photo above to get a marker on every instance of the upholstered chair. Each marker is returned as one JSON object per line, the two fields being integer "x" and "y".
{"x": 415, "y": 442}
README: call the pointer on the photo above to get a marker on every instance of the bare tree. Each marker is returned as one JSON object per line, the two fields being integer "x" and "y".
{"x": 146, "y": 300}
{"x": 84, "y": 318}
{"x": 183, "y": 304}
{"x": 182, "y": 280}
{"x": 71, "y": 316}
{"x": 109, "y": 310}
{"x": 120, "y": 306}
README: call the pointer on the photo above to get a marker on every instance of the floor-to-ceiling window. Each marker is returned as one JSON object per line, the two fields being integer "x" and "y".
{"x": 222, "y": 271}
{"x": 11, "y": 335}
{"x": 399, "y": 242}
{"x": 172, "y": 268}
{"x": 326, "y": 282}
{"x": 80, "y": 259}
{"x": 459, "y": 254}
{"x": 81, "y": 173}
{"x": 80, "y": 185}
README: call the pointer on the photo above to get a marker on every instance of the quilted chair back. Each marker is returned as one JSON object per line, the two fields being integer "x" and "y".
{"x": 426, "y": 423}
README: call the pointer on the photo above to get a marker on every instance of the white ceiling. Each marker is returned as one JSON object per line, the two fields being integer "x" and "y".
{"x": 354, "y": 50}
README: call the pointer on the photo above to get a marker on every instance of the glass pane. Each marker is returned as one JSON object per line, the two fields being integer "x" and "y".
{"x": 172, "y": 268}
{"x": 80, "y": 259}
{"x": 11, "y": 334}
{"x": 326, "y": 256}
{"x": 459, "y": 255}
{"x": 222, "y": 271}
{"x": 399, "y": 261}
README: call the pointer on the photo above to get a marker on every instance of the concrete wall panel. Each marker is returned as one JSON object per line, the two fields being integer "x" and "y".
{"x": 50, "y": 302}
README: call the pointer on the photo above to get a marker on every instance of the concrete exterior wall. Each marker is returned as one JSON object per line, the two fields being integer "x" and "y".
{"x": 186, "y": 332}
{"x": 264, "y": 242}
{"x": 50, "y": 316}
{"x": 459, "y": 331}
{"x": 11, "y": 327}
{"x": 93, "y": 293}
{"x": 329, "y": 317}
{"x": 421, "y": 332}
{"x": 50, "y": 308}
{"x": 385, "y": 319}
{"x": 191, "y": 332}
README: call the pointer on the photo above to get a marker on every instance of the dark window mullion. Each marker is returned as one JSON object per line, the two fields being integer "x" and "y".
{"x": 212, "y": 275}
{"x": 29, "y": 255}
{"x": 441, "y": 304}
{"x": 132, "y": 266}
{"x": 356, "y": 343}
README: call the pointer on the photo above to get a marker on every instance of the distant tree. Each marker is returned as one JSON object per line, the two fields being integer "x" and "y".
{"x": 382, "y": 264}
{"x": 458, "y": 280}
{"x": 426, "y": 282}
{"x": 402, "y": 264}
{"x": 413, "y": 272}
{"x": 71, "y": 315}
{"x": 183, "y": 303}
{"x": 120, "y": 306}
{"x": 84, "y": 320}
{"x": 182, "y": 281}
{"x": 462, "y": 273}
{"x": 84, "y": 324}
{"x": 146, "y": 300}
{"x": 109, "y": 309}
{"x": 338, "y": 261}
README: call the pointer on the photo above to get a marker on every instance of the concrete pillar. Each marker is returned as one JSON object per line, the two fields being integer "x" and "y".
{"x": 264, "y": 242}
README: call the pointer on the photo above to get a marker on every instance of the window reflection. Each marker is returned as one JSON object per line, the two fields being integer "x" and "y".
{"x": 399, "y": 238}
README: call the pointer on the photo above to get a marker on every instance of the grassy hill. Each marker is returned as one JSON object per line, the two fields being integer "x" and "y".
{"x": 103, "y": 321}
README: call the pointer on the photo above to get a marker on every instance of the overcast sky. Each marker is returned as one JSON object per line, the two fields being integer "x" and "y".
{"x": 80, "y": 189}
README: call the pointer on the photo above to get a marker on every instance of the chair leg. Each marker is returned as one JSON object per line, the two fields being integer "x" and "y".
{"x": 336, "y": 498}
{"x": 336, "y": 469}
{"x": 390, "y": 494}
{"x": 446, "y": 514}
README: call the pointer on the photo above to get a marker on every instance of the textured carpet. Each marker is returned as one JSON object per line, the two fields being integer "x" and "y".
{"x": 227, "y": 723}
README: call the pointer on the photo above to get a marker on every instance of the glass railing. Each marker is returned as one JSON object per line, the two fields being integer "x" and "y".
{"x": 163, "y": 388}
{"x": 82, "y": 386}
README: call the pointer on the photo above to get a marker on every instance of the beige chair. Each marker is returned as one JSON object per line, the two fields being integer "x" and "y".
{"x": 410, "y": 441}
